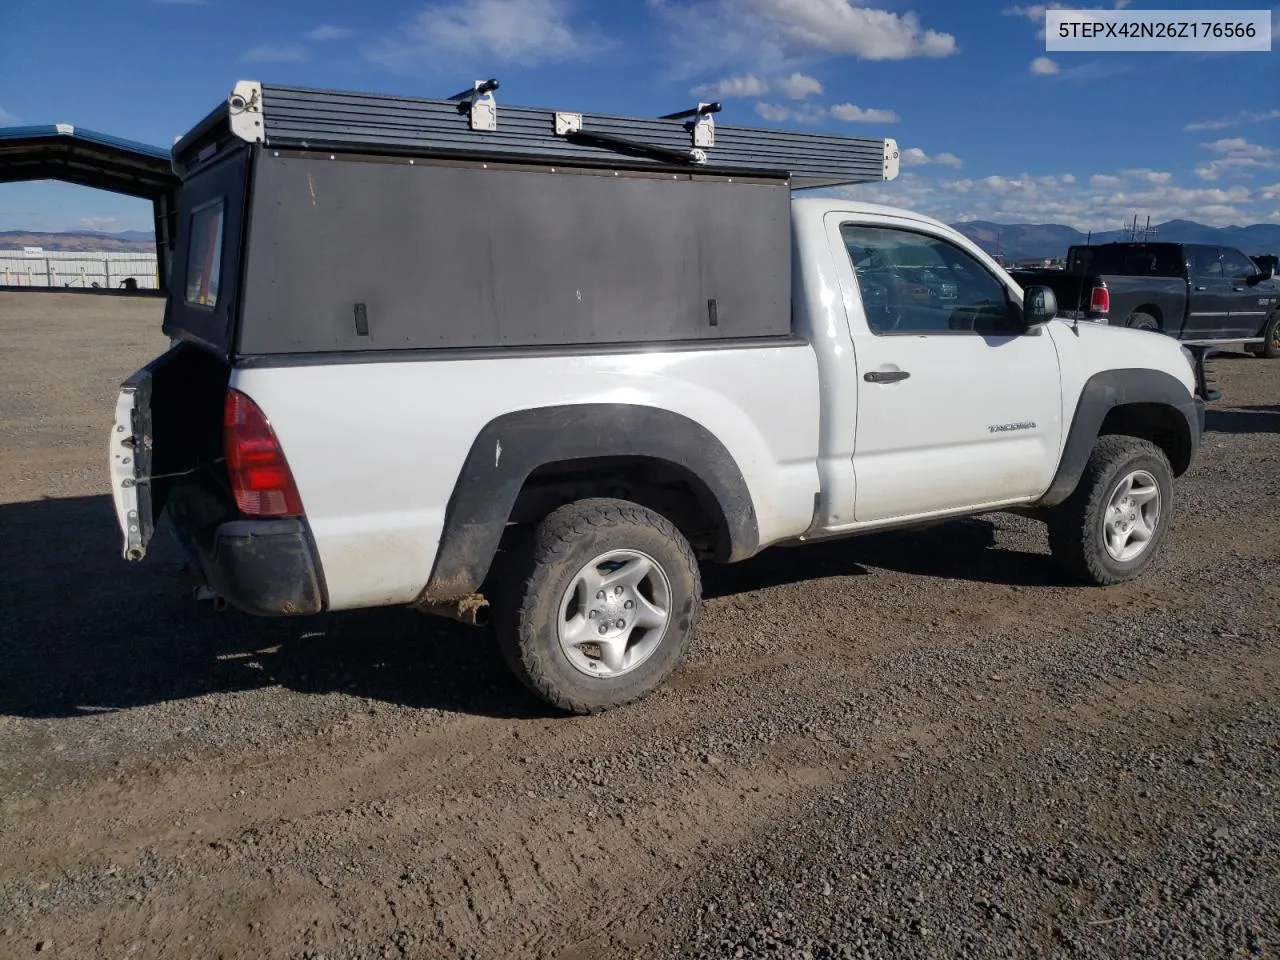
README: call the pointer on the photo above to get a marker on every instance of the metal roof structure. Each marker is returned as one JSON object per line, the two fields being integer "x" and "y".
{"x": 92, "y": 159}
{"x": 86, "y": 157}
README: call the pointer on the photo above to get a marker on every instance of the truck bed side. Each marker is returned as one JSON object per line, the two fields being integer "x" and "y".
{"x": 377, "y": 448}
{"x": 1164, "y": 298}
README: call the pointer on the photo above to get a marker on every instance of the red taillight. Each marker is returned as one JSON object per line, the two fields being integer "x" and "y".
{"x": 260, "y": 475}
{"x": 1100, "y": 302}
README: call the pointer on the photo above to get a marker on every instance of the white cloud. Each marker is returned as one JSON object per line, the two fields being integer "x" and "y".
{"x": 329, "y": 32}
{"x": 1044, "y": 67}
{"x": 743, "y": 85}
{"x": 773, "y": 112}
{"x": 1239, "y": 156}
{"x": 813, "y": 113}
{"x": 916, "y": 157}
{"x": 1209, "y": 125}
{"x": 277, "y": 53}
{"x": 100, "y": 224}
{"x": 855, "y": 114}
{"x": 1026, "y": 198}
{"x": 1239, "y": 147}
{"x": 1150, "y": 176}
{"x": 798, "y": 86}
{"x": 1104, "y": 180}
{"x": 777, "y": 36}
{"x": 6, "y": 117}
{"x": 1270, "y": 193}
{"x": 524, "y": 32}
{"x": 1244, "y": 116}
{"x": 1036, "y": 11}
{"x": 838, "y": 26}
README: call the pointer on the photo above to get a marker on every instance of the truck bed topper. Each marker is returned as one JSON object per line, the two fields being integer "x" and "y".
{"x": 471, "y": 125}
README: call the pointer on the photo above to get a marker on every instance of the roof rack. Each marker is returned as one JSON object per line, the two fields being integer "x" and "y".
{"x": 470, "y": 125}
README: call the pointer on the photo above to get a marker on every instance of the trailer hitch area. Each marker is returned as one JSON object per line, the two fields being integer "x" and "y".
{"x": 193, "y": 579}
{"x": 473, "y": 610}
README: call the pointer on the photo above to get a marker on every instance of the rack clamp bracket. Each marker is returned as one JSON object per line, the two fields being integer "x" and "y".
{"x": 479, "y": 104}
{"x": 700, "y": 123}
{"x": 244, "y": 107}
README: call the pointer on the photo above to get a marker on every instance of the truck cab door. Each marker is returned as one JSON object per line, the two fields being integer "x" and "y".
{"x": 959, "y": 405}
{"x": 1209, "y": 295}
{"x": 1250, "y": 304}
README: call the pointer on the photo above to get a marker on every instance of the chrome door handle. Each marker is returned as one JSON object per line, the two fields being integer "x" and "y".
{"x": 885, "y": 376}
{"x": 1238, "y": 289}
{"x": 1201, "y": 289}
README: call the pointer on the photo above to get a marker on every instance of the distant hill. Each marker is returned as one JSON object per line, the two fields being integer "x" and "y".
{"x": 1024, "y": 241}
{"x": 127, "y": 241}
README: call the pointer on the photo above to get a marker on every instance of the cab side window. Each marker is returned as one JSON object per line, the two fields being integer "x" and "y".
{"x": 913, "y": 283}
{"x": 1237, "y": 266}
{"x": 1205, "y": 262}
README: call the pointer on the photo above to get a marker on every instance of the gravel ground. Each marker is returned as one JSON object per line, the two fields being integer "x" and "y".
{"x": 920, "y": 745}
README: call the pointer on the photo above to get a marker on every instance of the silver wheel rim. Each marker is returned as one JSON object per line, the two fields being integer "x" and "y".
{"x": 1132, "y": 516}
{"x": 614, "y": 613}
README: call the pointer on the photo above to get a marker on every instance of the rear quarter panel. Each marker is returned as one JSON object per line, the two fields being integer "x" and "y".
{"x": 376, "y": 447}
{"x": 1166, "y": 295}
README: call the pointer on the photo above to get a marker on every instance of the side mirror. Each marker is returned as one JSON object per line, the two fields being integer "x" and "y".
{"x": 1039, "y": 305}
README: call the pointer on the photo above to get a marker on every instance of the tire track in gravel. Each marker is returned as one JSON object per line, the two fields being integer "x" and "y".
{"x": 503, "y": 893}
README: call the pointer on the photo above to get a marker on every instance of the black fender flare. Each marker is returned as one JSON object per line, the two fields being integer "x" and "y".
{"x": 510, "y": 447}
{"x": 1102, "y": 393}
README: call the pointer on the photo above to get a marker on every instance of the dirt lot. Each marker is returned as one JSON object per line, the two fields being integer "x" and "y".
{"x": 907, "y": 745}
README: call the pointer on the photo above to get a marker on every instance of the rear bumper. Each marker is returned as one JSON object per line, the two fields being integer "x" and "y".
{"x": 265, "y": 567}
{"x": 268, "y": 568}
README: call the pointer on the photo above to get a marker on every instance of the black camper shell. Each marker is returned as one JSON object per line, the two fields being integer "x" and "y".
{"x": 317, "y": 224}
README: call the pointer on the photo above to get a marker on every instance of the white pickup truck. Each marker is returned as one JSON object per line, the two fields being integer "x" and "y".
{"x": 312, "y": 456}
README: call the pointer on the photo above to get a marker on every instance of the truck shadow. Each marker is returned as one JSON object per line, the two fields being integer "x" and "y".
{"x": 961, "y": 549}
{"x": 1247, "y": 419}
{"x": 81, "y": 631}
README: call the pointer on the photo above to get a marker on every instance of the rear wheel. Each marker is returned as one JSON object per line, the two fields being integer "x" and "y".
{"x": 1271, "y": 338}
{"x": 601, "y": 604}
{"x": 1142, "y": 321}
{"x": 1111, "y": 528}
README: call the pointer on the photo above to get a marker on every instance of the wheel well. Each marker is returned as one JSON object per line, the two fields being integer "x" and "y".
{"x": 1157, "y": 422}
{"x": 1152, "y": 310}
{"x": 668, "y": 488}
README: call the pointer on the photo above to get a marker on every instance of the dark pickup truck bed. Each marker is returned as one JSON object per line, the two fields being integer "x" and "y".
{"x": 1194, "y": 293}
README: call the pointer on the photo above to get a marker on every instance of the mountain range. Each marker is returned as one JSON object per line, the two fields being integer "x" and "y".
{"x": 1025, "y": 241}
{"x": 1017, "y": 241}
{"x": 126, "y": 241}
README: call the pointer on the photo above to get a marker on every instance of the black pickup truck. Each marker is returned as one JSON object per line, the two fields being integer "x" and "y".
{"x": 1193, "y": 292}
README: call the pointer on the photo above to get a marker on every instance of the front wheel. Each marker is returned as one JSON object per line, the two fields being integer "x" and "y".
{"x": 1111, "y": 528}
{"x": 599, "y": 605}
{"x": 1271, "y": 338}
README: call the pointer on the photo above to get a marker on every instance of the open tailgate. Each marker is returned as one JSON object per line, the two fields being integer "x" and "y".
{"x": 167, "y": 427}
{"x": 131, "y": 445}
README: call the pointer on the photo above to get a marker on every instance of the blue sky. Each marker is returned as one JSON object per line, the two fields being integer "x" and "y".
{"x": 991, "y": 126}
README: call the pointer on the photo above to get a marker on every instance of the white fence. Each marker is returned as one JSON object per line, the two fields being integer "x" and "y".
{"x": 107, "y": 269}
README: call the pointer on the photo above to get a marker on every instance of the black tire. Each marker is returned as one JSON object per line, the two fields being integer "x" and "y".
{"x": 1271, "y": 338}
{"x": 1142, "y": 321}
{"x": 546, "y": 563}
{"x": 1076, "y": 527}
